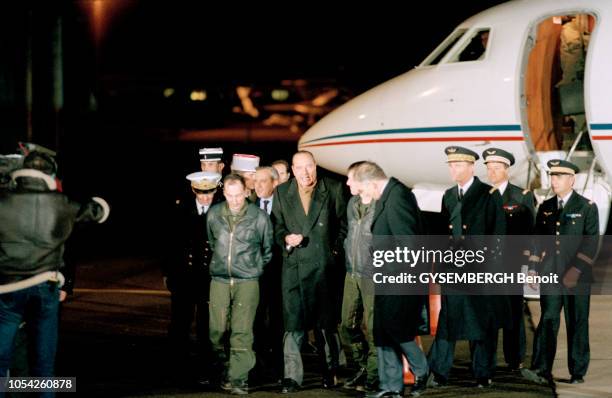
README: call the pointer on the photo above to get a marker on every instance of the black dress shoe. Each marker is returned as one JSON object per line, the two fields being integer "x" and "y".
{"x": 434, "y": 380}
{"x": 483, "y": 382}
{"x": 204, "y": 380}
{"x": 330, "y": 380}
{"x": 240, "y": 389}
{"x": 515, "y": 366}
{"x": 357, "y": 380}
{"x": 576, "y": 380}
{"x": 383, "y": 394}
{"x": 289, "y": 386}
{"x": 536, "y": 376}
{"x": 419, "y": 387}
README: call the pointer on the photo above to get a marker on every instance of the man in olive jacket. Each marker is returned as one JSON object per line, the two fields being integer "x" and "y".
{"x": 241, "y": 239}
{"x": 358, "y": 295}
{"x": 310, "y": 227}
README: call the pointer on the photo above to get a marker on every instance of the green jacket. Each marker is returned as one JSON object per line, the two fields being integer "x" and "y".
{"x": 239, "y": 252}
{"x": 358, "y": 242}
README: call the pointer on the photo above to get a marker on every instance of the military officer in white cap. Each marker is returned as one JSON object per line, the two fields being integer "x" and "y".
{"x": 211, "y": 159}
{"x": 245, "y": 166}
{"x": 186, "y": 274}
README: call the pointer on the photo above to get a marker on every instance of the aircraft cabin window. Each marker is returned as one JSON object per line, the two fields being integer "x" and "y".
{"x": 476, "y": 47}
{"x": 443, "y": 49}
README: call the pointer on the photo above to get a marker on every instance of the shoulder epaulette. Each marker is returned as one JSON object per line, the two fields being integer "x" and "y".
{"x": 525, "y": 192}
{"x": 492, "y": 189}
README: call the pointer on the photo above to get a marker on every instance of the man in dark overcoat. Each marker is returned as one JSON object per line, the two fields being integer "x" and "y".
{"x": 518, "y": 205}
{"x": 310, "y": 217}
{"x": 398, "y": 319}
{"x": 474, "y": 208}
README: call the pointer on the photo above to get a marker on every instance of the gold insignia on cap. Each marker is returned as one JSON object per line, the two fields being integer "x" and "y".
{"x": 204, "y": 185}
{"x": 451, "y": 150}
{"x": 555, "y": 163}
{"x": 492, "y": 152}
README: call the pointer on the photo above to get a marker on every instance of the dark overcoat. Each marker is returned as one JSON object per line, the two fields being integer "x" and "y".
{"x": 308, "y": 270}
{"x": 398, "y": 318}
{"x": 465, "y": 316}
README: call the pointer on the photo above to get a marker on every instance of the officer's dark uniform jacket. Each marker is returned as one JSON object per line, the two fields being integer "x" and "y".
{"x": 35, "y": 222}
{"x": 358, "y": 242}
{"x": 519, "y": 208}
{"x": 576, "y": 237}
{"x": 239, "y": 253}
{"x": 472, "y": 317}
{"x": 186, "y": 266}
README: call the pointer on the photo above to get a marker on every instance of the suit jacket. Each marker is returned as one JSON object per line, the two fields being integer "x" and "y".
{"x": 575, "y": 236}
{"x": 398, "y": 318}
{"x": 307, "y": 272}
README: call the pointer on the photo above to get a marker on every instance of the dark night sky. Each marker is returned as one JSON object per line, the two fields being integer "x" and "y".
{"x": 363, "y": 44}
{"x": 114, "y": 148}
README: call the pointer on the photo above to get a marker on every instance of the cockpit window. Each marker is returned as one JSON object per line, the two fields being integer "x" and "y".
{"x": 475, "y": 48}
{"x": 444, "y": 48}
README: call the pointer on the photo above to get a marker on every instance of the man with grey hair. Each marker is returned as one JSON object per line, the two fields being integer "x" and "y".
{"x": 265, "y": 180}
{"x": 309, "y": 215}
{"x": 398, "y": 319}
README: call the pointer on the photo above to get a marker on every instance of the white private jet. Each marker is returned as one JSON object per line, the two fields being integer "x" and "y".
{"x": 504, "y": 96}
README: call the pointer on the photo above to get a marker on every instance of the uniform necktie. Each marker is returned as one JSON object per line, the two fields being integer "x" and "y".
{"x": 265, "y": 203}
{"x": 460, "y": 194}
{"x": 560, "y": 204}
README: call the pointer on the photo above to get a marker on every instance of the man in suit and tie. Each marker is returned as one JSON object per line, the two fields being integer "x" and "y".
{"x": 186, "y": 274}
{"x": 572, "y": 221}
{"x": 310, "y": 225}
{"x": 269, "y": 319}
{"x": 518, "y": 205}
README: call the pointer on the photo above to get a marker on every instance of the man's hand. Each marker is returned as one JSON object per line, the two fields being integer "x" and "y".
{"x": 570, "y": 279}
{"x": 165, "y": 280}
{"x": 62, "y": 295}
{"x": 293, "y": 240}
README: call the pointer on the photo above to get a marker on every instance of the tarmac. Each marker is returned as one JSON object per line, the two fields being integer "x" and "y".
{"x": 598, "y": 380}
{"x": 113, "y": 339}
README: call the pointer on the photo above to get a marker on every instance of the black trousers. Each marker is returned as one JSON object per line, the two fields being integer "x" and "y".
{"x": 514, "y": 338}
{"x": 576, "y": 312}
{"x": 185, "y": 307}
{"x": 269, "y": 328}
{"x": 442, "y": 353}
